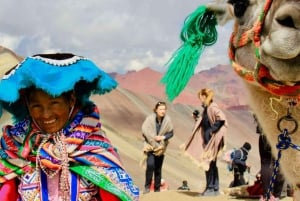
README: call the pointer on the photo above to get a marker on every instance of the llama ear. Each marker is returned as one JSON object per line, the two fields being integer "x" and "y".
{"x": 239, "y": 6}
{"x": 223, "y": 12}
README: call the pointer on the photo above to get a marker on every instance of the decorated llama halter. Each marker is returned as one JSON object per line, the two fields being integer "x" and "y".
{"x": 260, "y": 75}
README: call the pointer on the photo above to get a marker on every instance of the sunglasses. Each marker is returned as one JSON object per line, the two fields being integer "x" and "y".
{"x": 159, "y": 103}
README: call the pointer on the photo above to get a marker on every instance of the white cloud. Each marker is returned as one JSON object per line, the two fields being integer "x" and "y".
{"x": 10, "y": 41}
{"x": 119, "y": 35}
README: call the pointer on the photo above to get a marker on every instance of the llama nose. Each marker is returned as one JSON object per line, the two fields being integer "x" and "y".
{"x": 288, "y": 16}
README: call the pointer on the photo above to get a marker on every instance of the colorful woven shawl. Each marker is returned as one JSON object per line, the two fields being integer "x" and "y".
{"x": 91, "y": 155}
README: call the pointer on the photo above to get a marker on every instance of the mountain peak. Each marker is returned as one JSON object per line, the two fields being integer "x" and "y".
{"x": 221, "y": 78}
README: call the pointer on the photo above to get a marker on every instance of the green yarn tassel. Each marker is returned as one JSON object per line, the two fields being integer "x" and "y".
{"x": 199, "y": 30}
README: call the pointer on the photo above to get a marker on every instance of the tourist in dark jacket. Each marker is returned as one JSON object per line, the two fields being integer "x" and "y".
{"x": 239, "y": 158}
{"x": 207, "y": 140}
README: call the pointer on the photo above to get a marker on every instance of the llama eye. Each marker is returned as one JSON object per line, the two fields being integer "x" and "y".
{"x": 240, "y": 6}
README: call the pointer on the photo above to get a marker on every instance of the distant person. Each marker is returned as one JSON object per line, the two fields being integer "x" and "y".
{"x": 267, "y": 164}
{"x": 246, "y": 191}
{"x": 157, "y": 129}
{"x": 256, "y": 189}
{"x": 239, "y": 165}
{"x": 184, "y": 186}
{"x": 195, "y": 114}
{"x": 207, "y": 140}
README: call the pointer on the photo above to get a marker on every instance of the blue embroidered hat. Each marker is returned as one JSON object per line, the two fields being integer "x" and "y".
{"x": 54, "y": 74}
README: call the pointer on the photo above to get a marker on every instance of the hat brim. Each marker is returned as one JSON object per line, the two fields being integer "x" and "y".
{"x": 53, "y": 79}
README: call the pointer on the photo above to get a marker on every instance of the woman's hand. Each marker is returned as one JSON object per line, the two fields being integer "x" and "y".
{"x": 159, "y": 138}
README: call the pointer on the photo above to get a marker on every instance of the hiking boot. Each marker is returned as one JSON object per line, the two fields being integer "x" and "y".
{"x": 147, "y": 190}
{"x": 208, "y": 192}
{"x": 217, "y": 193}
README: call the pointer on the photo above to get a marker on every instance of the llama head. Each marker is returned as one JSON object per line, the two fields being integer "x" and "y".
{"x": 271, "y": 34}
{"x": 265, "y": 41}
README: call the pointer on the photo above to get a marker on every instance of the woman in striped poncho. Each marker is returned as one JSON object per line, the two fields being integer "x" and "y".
{"x": 56, "y": 149}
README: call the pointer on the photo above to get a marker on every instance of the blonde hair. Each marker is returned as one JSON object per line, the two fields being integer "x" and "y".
{"x": 209, "y": 93}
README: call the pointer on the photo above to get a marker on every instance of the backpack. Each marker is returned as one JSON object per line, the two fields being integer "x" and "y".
{"x": 230, "y": 155}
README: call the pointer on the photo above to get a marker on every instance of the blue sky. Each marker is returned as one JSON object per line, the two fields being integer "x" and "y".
{"x": 118, "y": 35}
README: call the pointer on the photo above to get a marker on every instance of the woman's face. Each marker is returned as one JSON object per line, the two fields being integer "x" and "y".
{"x": 50, "y": 114}
{"x": 161, "y": 110}
{"x": 202, "y": 98}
